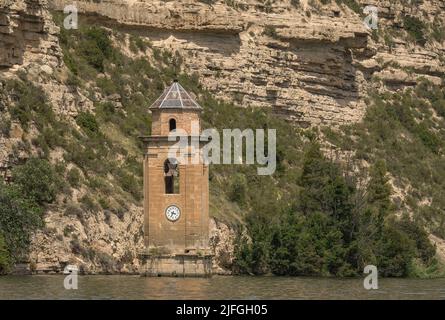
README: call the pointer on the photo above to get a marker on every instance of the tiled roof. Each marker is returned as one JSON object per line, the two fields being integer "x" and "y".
{"x": 175, "y": 97}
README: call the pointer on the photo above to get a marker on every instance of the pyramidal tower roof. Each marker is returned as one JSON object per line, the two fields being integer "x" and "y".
{"x": 175, "y": 97}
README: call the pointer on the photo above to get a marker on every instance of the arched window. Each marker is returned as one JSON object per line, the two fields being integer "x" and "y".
{"x": 171, "y": 176}
{"x": 172, "y": 124}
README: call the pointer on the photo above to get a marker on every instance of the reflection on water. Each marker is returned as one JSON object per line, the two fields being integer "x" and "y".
{"x": 135, "y": 287}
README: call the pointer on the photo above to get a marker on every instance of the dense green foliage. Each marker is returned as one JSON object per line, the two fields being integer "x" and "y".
{"x": 333, "y": 228}
{"x": 407, "y": 131}
{"x": 415, "y": 28}
{"x": 31, "y": 105}
{"x": 88, "y": 122}
{"x": 5, "y": 259}
{"x": 73, "y": 177}
{"x": 37, "y": 180}
{"x": 21, "y": 207}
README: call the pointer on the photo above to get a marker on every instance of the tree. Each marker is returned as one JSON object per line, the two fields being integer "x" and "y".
{"x": 424, "y": 249}
{"x": 19, "y": 216}
{"x": 314, "y": 179}
{"x": 395, "y": 252}
{"x": 372, "y": 213}
{"x": 325, "y": 190}
{"x": 379, "y": 194}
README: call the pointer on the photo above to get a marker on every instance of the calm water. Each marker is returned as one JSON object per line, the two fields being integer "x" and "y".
{"x": 135, "y": 287}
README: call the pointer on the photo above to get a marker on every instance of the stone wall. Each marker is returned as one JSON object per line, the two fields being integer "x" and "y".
{"x": 177, "y": 266}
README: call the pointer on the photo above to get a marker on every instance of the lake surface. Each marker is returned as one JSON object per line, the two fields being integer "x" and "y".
{"x": 135, "y": 287}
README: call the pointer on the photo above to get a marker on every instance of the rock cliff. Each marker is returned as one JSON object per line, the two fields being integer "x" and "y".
{"x": 27, "y": 34}
{"x": 312, "y": 62}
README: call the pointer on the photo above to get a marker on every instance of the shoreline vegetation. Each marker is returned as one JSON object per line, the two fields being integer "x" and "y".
{"x": 318, "y": 216}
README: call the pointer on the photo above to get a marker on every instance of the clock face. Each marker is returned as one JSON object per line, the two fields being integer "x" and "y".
{"x": 172, "y": 213}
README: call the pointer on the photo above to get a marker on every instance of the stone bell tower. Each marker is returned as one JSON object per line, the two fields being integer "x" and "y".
{"x": 176, "y": 191}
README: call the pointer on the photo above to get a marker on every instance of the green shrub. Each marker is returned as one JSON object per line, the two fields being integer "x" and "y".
{"x": 209, "y": 2}
{"x": 71, "y": 64}
{"x": 96, "y": 47}
{"x": 37, "y": 180}
{"x": 101, "y": 38}
{"x": 30, "y": 105}
{"x": 270, "y": 31}
{"x": 74, "y": 210}
{"x": 5, "y": 259}
{"x": 238, "y": 190}
{"x": 295, "y": 3}
{"x": 429, "y": 139}
{"x": 438, "y": 31}
{"x": 106, "y": 112}
{"x": 104, "y": 203}
{"x": 304, "y": 220}
{"x": 425, "y": 251}
{"x": 138, "y": 44}
{"x": 88, "y": 204}
{"x": 87, "y": 121}
{"x": 74, "y": 177}
{"x": 328, "y": 232}
{"x": 106, "y": 261}
{"x": 415, "y": 28}
{"x": 129, "y": 183}
{"x": 19, "y": 217}
{"x": 5, "y": 127}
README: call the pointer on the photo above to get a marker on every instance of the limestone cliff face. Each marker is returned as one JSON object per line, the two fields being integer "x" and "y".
{"x": 103, "y": 242}
{"x": 27, "y": 34}
{"x": 222, "y": 242}
{"x": 400, "y": 62}
{"x": 312, "y": 63}
{"x": 29, "y": 45}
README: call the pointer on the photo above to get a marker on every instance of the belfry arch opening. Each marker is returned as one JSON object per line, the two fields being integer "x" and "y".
{"x": 171, "y": 176}
{"x": 172, "y": 124}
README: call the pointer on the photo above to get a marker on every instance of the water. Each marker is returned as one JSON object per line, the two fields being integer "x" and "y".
{"x": 135, "y": 287}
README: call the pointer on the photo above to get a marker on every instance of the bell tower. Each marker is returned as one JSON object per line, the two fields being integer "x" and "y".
{"x": 176, "y": 191}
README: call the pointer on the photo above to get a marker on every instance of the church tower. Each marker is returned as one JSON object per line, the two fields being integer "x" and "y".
{"x": 176, "y": 191}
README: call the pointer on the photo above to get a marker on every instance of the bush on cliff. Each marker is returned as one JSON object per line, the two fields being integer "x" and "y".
{"x": 19, "y": 216}
{"x": 5, "y": 259}
{"x": 37, "y": 180}
{"x": 22, "y": 206}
